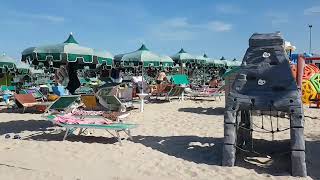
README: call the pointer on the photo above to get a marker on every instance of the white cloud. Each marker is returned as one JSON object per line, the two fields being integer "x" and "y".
{"x": 181, "y": 29}
{"x": 176, "y": 22}
{"x": 228, "y": 9}
{"x": 49, "y": 18}
{"x": 219, "y": 26}
{"x": 278, "y": 17}
{"x": 312, "y": 10}
{"x": 31, "y": 16}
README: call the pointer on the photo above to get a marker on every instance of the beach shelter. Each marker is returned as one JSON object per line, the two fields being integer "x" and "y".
{"x": 23, "y": 68}
{"x": 215, "y": 62}
{"x": 61, "y": 53}
{"x": 183, "y": 57}
{"x": 236, "y": 63}
{"x": 202, "y": 59}
{"x": 142, "y": 55}
{"x": 7, "y": 63}
{"x": 166, "y": 61}
{"x": 104, "y": 57}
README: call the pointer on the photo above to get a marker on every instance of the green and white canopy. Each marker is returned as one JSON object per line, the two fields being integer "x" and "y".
{"x": 202, "y": 59}
{"x": 215, "y": 62}
{"x": 104, "y": 57}
{"x": 7, "y": 62}
{"x": 68, "y": 51}
{"x": 143, "y": 54}
{"x": 23, "y": 68}
{"x": 183, "y": 57}
{"x": 234, "y": 63}
{"x": 166, "y": 61}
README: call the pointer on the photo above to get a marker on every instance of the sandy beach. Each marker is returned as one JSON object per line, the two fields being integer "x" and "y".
{"x": 177, "y": 140}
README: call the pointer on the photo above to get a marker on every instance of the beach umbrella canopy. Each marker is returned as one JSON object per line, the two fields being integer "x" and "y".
{"x": 236, "y": 62}
{"x": 68, "y": 51}
{"x": 104, "y": 57}
{"x": 143, "y": 54}
{"x": 202, "y": 59}
{"x": 183, "y": 57}
{"x": 215, "y": 62}
{"x": 166, "y": 61}
{"x": 7, "y": 62}
{"x": 23, "y": 68}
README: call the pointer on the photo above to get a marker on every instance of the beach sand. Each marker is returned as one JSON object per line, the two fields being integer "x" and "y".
{"x": 177, "y": 140}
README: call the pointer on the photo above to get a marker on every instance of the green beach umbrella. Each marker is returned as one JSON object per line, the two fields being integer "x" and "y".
{"x": 215, "y": 62}
{"x": 23, "y": 68}
{"x": 183, "y": 57}
{"x": 143, "y": 54}
{"x": 236, "y": 63}
{"x": 68, "y": 51}
{"x": 7, "y": 62}
{"x": 104, "y": 57}
{"x": 166, "y": 61}
{"x": 202, "y": 59}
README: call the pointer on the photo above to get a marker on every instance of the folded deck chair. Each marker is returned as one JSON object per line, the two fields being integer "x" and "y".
{"x": 113, "y": 103}
{"x": 34, "y": 92}
{"x": 176, "y": 91}
{"x": 63, "y": 103}
{"x": 89, "y": 101}
{"x": 72, "y": 122}
{"x": 27, "y": 101}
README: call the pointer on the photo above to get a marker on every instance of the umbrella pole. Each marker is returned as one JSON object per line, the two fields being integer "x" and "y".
{"x": 142, "y": 79}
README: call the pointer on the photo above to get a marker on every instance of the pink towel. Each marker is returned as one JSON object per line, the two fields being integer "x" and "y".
{"x": 80, "y": 112}
{"x": 70, "y": 119}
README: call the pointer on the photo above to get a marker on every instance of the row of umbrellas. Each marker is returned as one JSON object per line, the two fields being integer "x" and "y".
{"x": 71, "y": 51}
{"x": 144, "y": 55}
{"x": 8, "y": 64}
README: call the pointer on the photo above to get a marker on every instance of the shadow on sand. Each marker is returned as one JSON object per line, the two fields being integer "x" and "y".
{"x": 191, "y": 148}
{"x": 42, "y": 130}
{"x": 208, "y": 150}
{"x": 206, "y": 111}
{"x": 19, "y": 126}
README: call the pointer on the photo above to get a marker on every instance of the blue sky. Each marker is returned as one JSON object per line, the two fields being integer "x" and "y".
{"x": 218, "y": 28}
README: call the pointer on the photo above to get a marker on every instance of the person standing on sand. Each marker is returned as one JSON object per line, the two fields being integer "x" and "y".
{"x": 74, "y": 82}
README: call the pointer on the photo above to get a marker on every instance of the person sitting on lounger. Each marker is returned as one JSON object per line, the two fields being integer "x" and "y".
{"x": 214, "y": 82}
{"x": 161, "y": 77}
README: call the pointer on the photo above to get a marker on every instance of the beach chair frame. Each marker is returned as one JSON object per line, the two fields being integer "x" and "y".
{"x": 70, "y": 128}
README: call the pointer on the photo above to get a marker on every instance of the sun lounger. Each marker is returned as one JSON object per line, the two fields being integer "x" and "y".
{"x": 113, "y": 103}
{"x": 208, "y": 92}
{"x": 160, "y": 89}
{"x": 34, "y": 92}
{"x": 176, "y": 91}
{"x": 76, "y": 124}
{"x": 89, "y": 101}
{"x": 25, "y": 101}
{"x": 64, "y": 103}
{"x": 72, "y": 123}
{"x": 8, "y": 88}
